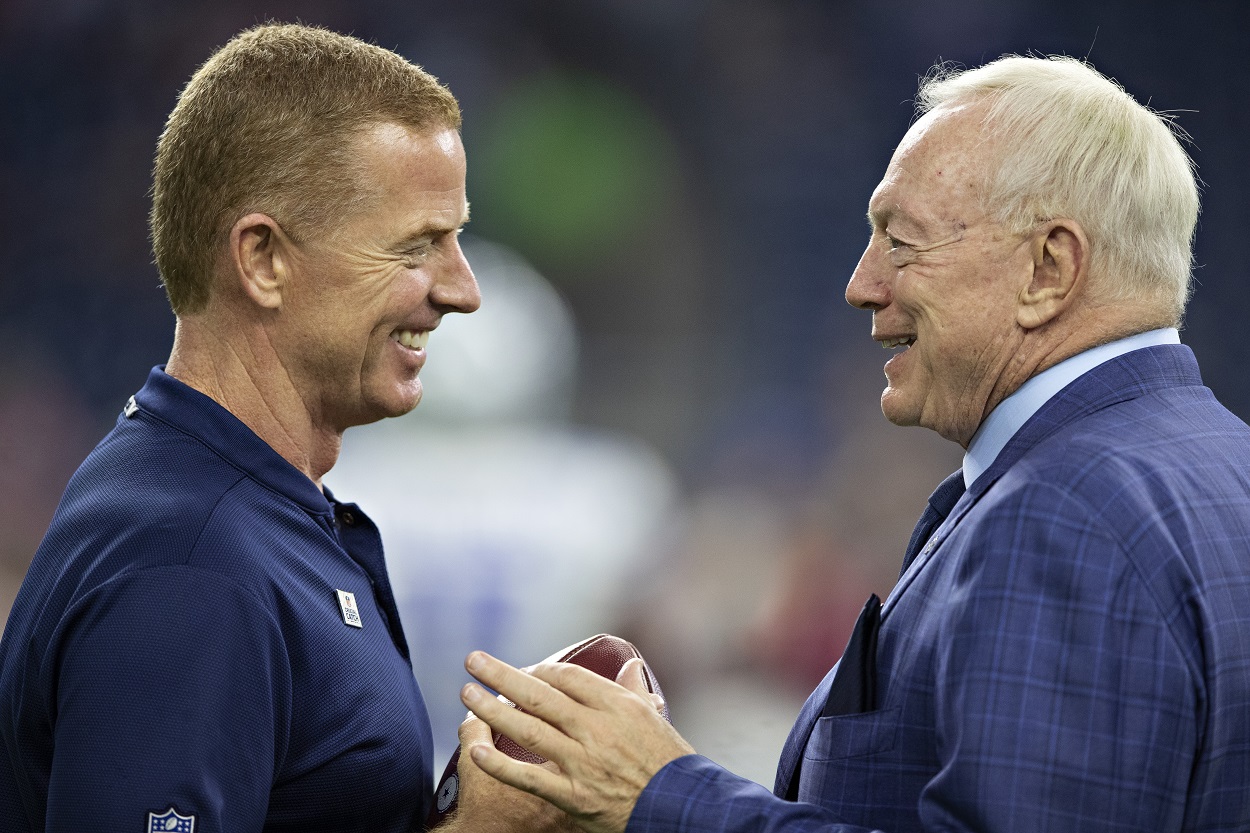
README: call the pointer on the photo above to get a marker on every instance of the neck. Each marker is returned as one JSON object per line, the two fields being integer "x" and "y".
{"x": 246, "y": 377}
{"x": 1081, "y": 329}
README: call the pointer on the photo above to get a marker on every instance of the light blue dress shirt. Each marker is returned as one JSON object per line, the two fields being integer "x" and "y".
{"x": 1011, "y": 414}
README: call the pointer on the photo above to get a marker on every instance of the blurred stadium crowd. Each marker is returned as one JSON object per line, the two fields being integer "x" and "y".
{"x": 665, "y": 409}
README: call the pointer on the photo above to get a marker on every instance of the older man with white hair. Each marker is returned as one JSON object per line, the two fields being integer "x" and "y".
{"x": 1067, "y": 647}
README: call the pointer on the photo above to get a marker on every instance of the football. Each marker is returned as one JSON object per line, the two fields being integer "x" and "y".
{"x": 604, "y": 654}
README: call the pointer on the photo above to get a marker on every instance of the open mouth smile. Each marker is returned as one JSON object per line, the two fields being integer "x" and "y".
{"x": 412, "y": 339}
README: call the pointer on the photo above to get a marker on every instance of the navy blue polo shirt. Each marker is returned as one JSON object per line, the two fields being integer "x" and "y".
{"x": 204, "y": 633}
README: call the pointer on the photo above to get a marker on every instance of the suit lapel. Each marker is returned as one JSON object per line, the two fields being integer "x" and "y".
{"x": 1125, "y": 377}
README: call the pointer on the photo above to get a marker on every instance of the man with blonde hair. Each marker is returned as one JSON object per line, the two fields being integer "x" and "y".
{"x": 207, "y": 639}
{"x": 1066, "y": 649}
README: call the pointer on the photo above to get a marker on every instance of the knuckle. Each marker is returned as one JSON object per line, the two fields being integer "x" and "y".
{"x": 529, "y": 736}
{"x": 564, "y": 674}
{"x": 540, "y": 699}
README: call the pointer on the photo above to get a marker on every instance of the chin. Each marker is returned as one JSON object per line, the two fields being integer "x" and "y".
{"x": 404, "y": 406}
{"x": 401, "y": 398}
{"x": 397, "y": 403}
{"x": 409, "y": 407}
{"x": 897, "y": 409}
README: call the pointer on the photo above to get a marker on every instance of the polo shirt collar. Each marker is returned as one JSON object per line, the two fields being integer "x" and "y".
{"x": 191, "y": 412}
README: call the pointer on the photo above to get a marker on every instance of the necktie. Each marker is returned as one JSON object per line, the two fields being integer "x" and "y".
{"x": 941, "y": 502}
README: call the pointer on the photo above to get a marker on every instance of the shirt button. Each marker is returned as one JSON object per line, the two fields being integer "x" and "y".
{"x": 348, "y": 517}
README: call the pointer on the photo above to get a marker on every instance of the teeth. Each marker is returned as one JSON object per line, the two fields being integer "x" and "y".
{"x": 412, "y": 340}
{"x": 889, "y": 343}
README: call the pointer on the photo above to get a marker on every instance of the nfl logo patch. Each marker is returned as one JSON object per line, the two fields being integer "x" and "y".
{"x": 170, "y": 822}
{"x": 347, "y": 606}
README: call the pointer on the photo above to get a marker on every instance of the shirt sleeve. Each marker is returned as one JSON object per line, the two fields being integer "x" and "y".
{"x": 172, "y": 691}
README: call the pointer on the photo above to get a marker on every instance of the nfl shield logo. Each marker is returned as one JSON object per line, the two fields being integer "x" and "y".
{"x": 170, "y": 822}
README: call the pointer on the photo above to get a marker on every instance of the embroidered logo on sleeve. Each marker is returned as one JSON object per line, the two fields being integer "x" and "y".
{"x": 347, "y": 605}
{"x": 447, "y": 793}
{"x": 170, "y": 821}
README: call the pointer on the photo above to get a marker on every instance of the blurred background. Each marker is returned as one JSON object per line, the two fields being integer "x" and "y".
{"x": 663, "y": 423}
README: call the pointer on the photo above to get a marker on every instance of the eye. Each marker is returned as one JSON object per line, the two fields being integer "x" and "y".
{"x": 417, "y": 253}
{"x": 900, "y": 251}
{"x": 894, "y": 243}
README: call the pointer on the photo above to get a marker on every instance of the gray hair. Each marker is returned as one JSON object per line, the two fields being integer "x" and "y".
{"x": 1076, "y": 145}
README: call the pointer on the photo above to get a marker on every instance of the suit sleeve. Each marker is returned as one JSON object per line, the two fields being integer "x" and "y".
{"x": 1065, "y": 697}
{"x": 172, "y": 690}
{"x": 694, "y": 795}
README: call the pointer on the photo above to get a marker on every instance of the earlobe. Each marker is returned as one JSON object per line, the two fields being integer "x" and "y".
{"x": 258, "y": 253}
{"x": 1059, "y": 269}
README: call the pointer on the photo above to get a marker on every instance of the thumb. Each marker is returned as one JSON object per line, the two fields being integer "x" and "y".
{"x": 474, "y": 730}
{"x": 633, "y": 676}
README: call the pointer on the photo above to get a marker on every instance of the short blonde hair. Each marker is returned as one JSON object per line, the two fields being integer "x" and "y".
{"x": 268, "y": 124}
{"x": 1076, "y": 145}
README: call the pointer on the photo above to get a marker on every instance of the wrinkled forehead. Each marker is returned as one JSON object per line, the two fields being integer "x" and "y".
{"x": 946, "y": 142}
{"x": 939, "y": 166}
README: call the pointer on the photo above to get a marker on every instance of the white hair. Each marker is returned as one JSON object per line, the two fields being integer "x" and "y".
{"x": 1077, "y": 146}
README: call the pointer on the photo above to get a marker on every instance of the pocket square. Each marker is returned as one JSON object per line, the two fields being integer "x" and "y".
{"x": 854, "y": 687}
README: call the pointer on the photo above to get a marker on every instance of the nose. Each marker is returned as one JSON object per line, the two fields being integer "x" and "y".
{"x": 456, "y": 289}
{"x": 869, "y": 287}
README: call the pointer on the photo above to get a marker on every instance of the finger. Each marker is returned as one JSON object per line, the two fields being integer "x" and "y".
{"x": 633, "y": 676}
{"x": 529, "y": 691}
{"x": 530, "y": 731}
{"x": 530, "y": 778}
{"x": 581, "y": 684}
{"x": 661, "y": 707}
{"x": 474, "y": 730}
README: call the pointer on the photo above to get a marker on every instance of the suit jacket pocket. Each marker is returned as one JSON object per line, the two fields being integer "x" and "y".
{"x": 852, "y": 736}
{"x": 851, "y": 762}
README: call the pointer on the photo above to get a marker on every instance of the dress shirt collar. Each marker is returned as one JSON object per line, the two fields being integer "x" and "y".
{"x": 1013, "y": 412}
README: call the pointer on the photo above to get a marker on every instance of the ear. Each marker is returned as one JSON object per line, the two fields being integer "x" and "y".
{"x": 260, "y": 255}
{"x": 1060, "y": 263}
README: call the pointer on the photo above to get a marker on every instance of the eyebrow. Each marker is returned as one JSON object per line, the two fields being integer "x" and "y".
{"x": 879, "y": 218}
{"x": 434, "y": 230}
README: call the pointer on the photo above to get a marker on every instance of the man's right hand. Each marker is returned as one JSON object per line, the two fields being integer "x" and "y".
{"x": 604, "y": 740}
{"x": 486, "y": 805}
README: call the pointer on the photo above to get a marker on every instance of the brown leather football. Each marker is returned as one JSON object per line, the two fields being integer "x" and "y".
{"x": 604, "y": 654}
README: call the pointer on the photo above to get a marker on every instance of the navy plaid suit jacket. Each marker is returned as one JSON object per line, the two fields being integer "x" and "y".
{"x": 1071, "y": 654}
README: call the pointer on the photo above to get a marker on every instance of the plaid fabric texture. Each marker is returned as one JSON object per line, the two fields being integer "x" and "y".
{"x": 1072, "y": 655}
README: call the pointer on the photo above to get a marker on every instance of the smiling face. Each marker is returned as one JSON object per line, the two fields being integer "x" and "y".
{"x": 361, "y": 301}
{"x": 942, "y": 280}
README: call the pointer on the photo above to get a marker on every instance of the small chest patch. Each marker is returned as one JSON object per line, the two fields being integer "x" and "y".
{"x": 347, "y": 606}
{"x": 170, "y": 821}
